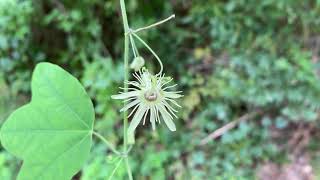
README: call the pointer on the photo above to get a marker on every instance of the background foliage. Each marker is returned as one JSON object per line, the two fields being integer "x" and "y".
{"x": 231, "y": 58}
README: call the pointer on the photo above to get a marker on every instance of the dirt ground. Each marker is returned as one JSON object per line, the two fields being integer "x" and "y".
{"x": 299, "y": 169}
{"x": 297, "y": 138}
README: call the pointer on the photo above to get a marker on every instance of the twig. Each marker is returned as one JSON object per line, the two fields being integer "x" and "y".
{"x": 155, "y": 24}
{"x": 219, "y": 132}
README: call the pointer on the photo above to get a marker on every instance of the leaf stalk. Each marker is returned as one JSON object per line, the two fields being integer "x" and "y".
{"x": 110, "y": 146}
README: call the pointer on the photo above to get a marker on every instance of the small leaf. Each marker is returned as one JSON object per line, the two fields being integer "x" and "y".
{"x": 53, "y": 133}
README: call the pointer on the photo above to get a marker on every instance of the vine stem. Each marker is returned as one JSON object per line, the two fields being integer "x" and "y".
{"x": 151, "y": 50}
{"x": 126, "y": 78}
{"x": 155, "y": 24}
{"x": 115, "y": 169}
{"x": 111, "y": 146}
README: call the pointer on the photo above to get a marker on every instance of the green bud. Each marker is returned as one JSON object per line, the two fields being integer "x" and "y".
{"x": 137, "y": 63}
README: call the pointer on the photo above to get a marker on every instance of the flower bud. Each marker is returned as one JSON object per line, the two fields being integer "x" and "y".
{"x": 137, "y": 63}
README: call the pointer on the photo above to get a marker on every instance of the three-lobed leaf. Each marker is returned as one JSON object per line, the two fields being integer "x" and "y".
{"x": 53, "y": 133}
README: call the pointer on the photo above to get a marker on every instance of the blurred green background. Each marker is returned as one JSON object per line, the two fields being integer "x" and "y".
{"x": 232, "y": 59}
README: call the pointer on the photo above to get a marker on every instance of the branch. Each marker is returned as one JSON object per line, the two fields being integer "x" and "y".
{"x": 219, "y": 132}
{"x": 155, "y": 24}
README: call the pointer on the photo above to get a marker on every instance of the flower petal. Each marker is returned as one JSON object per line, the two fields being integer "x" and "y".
{"x": 157, "y": 115}
{"x": 168, "y": 81}
{"x": 130, "y": 88}
{"x": 145, "y": 116}
{"x": 171, "y": 110}
{"x": 136, "y": 75}
{"x": 168, "y": 87}
{"x": 167, "y": 118}
{"x": 126, "y": 95}
{"x": 130, "y": 99}
{"x": 134, "y": 83}
{"x": 130, "y": 105}
{"x": 152, "y": 118}
{"x": 135, "y": 122}
{"x": 173, "y": 102}
{"x": 173, "y": 95}
{"x": 133, "y": 110}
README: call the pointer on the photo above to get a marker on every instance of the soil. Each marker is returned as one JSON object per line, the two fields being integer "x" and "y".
{"x": 299, "y": 169}
{"x": 295, "y": 138}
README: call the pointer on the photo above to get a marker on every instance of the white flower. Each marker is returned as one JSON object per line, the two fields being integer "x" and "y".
{"x": 150, "y": 95}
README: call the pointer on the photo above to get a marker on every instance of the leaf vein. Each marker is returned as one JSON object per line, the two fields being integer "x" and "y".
{"x": 50, "y": 164}
{"x": 60, "y": 97}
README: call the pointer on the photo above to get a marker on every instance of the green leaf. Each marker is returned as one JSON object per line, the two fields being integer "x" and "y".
{"x": 53, "y": 133}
